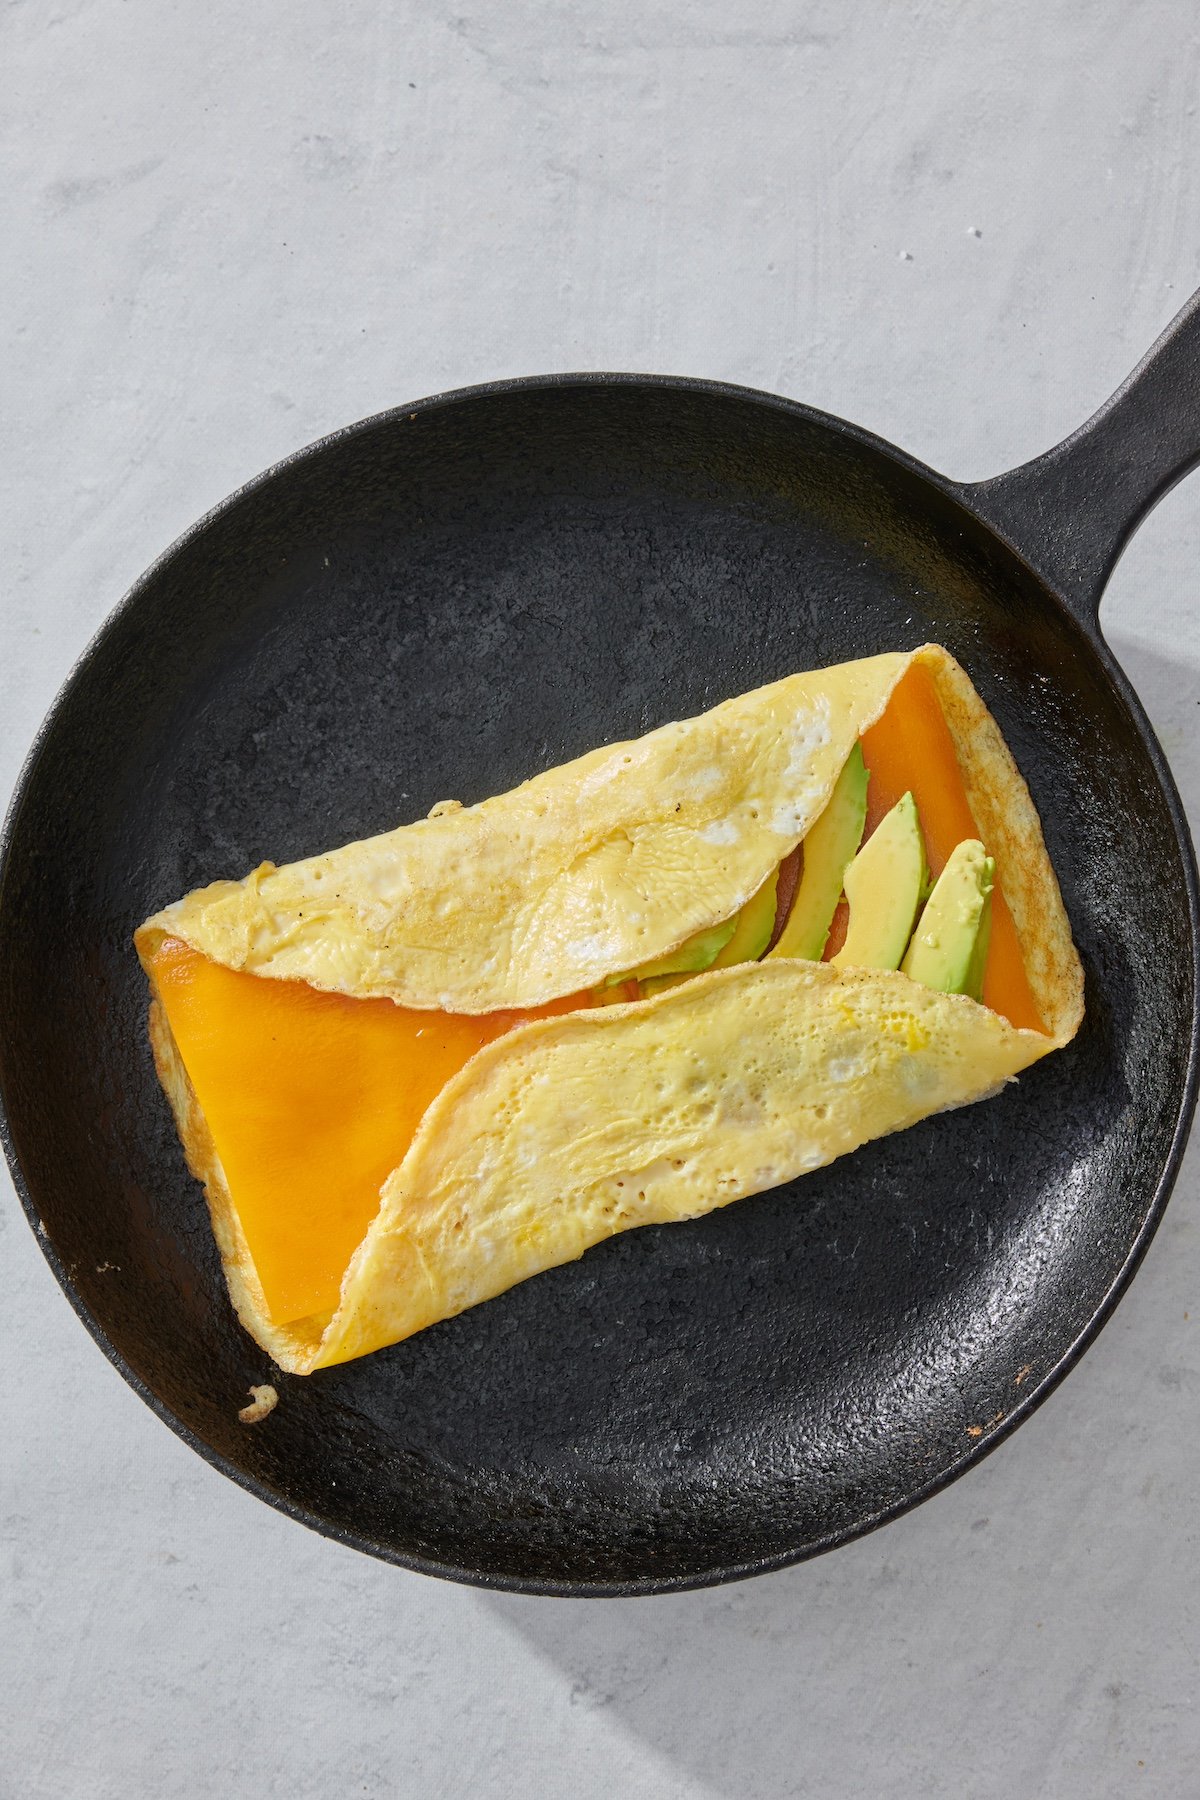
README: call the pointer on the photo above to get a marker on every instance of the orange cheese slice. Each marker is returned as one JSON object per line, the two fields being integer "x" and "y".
{"x": 311, "y": 1099}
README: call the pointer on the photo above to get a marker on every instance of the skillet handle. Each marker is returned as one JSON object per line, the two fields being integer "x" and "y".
{"x": 1071, "y": 512}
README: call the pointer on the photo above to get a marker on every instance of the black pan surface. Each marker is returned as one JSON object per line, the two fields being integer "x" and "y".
{"x": 441, "y": 602}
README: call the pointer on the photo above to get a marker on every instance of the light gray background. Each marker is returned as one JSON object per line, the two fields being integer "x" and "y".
{"x": 230, "y": 227}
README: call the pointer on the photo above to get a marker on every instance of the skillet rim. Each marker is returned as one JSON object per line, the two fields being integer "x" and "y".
{"x": 959, "y": 494}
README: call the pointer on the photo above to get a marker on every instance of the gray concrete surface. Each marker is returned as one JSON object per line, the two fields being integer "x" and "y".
{"x": 228, "y": 228}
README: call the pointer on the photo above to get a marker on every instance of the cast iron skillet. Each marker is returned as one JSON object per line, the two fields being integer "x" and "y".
{"x": 438, "y": 602}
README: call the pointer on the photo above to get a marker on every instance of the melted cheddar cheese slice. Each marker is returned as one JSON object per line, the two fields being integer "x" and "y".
{"x": 311, "y": 1100}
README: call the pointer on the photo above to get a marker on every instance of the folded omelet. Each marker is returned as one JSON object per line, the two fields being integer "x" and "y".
{"x": 397, "y": 1070}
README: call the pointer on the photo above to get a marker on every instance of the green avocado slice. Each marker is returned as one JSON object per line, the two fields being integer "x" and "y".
{"x": 884, "y": 885}
{"x": 949, "y": 946}
{"x": 752, "y": 927}
{"x": 828, "y": 849}
{"x": 740, "y": 939}
{"x": 695, "y": 953}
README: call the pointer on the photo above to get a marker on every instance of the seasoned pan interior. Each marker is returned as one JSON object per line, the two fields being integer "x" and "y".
{"x": 438, "y": 604}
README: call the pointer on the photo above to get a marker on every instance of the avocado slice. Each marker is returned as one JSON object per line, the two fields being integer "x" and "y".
{"x": 752, "y": 927}
{"x": 740, "y": 939}
{"x": 828, "y": 848}
{"x": 983, "y": 937}
{"x": 695, "y": 953}
{"x": 884, "y": 885}
{"x": 949, "y": 946}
